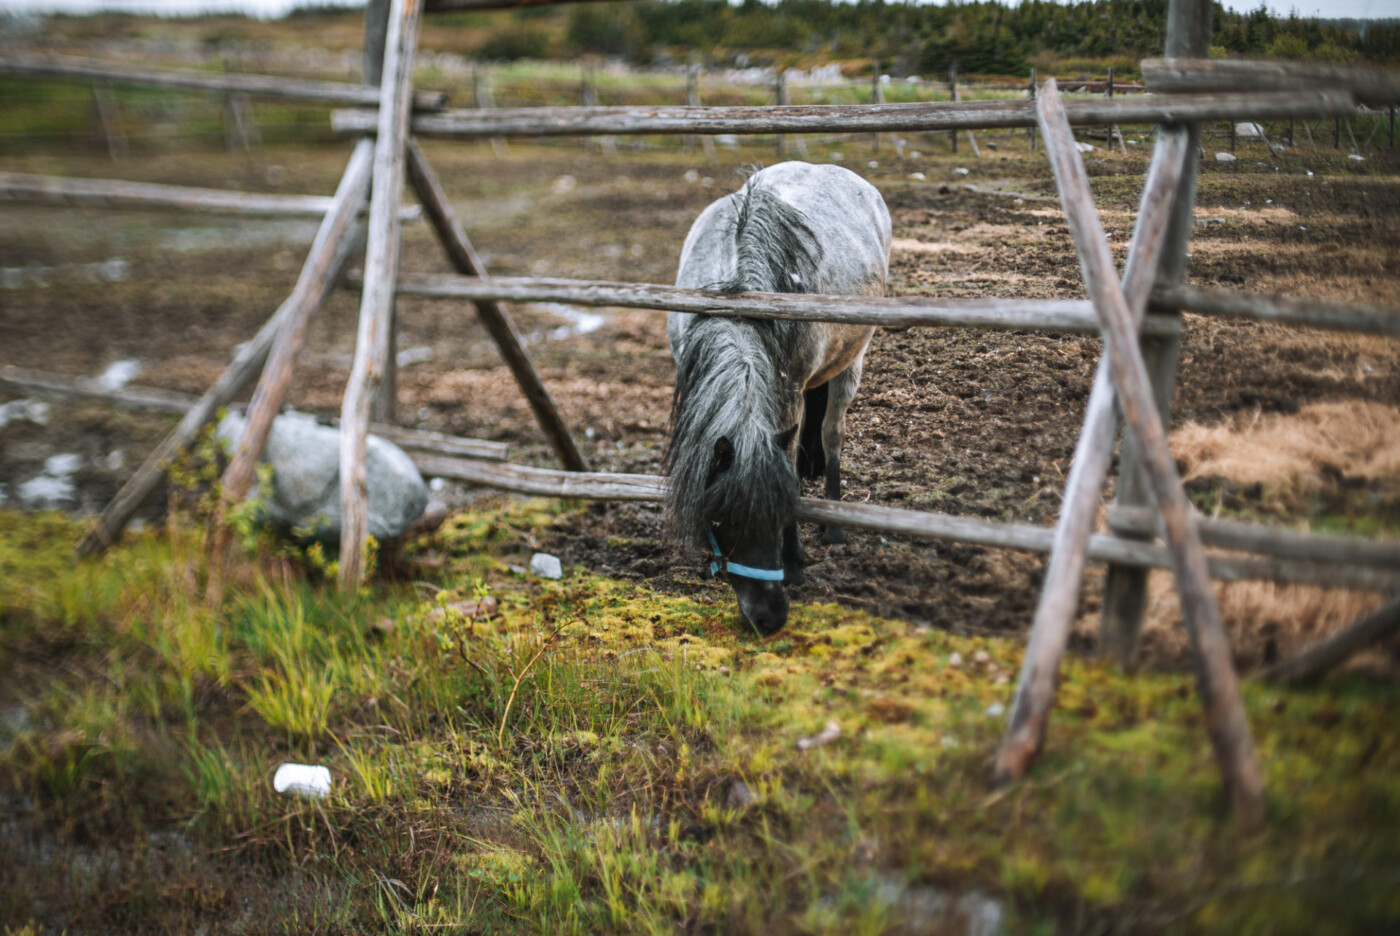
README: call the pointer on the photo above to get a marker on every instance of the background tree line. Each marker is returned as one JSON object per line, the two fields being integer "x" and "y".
{"x": 981, "y": 37}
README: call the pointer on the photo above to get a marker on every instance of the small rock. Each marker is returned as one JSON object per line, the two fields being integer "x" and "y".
{"x": 944, "y": 190}
{"x": 874, "y": 164}
{"x": 565, "y": 183}
{"x": 996, "y": 710}
{"x": 691, "y": 176}
{"x": 830, "y": 733}
{"x": 546, "y": 566}
{"x": 1356, "y": 157}
{"x": 1084, "y": 147}
{"x": 62, "y": 465}
{"x": 981, "y": 656}
{"x": 1249, "y": 131}
{"x": 955, "y": 659}
{"x": 1224, "y": 157}
{"x": 410, "y": 356}
{"x": 961, "y": 171}
{"x": 917, "y": 176}
{"x": 740, "y": 796}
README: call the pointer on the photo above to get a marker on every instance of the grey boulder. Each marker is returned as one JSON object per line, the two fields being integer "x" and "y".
{"x": 305, "y": 496}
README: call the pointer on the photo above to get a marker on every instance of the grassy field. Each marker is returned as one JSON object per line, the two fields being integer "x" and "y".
{"x": 515, "y": 755}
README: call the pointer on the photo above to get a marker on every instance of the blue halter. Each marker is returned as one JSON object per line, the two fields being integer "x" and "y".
{"x": 734, "y": 568}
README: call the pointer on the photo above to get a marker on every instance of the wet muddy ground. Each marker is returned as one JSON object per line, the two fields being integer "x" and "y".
{"x": 966, "y": 422}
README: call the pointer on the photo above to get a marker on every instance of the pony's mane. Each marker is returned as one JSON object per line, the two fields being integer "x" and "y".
{"x": 727, "y": 384}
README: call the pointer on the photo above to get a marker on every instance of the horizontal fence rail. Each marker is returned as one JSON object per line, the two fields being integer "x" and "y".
{"x": 853, "y": 118}
{"x": 269, "y": 87}
{"x": 22, "y": 188}
{"x": 548, "y": 482}
{"x": 1229, "y": 303}
{"x": 25, "y": 381}
{"x": 1063, "y": 315}
{"x": 1066, "y": 315}
{"x": 1370, "y": 86}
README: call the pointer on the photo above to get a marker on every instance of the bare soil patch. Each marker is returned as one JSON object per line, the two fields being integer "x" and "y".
{"x": 966, "y": 422}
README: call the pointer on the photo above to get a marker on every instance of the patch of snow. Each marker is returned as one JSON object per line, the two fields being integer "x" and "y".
{"x": 1356, "y": 157}
{"x": 961, "y": 171}
{"x": 46, "y": 491}
{"x": 1225, "y": 157}
{"x": 410, "y": 356}
{"x": 36, "y": 411}
{"x": 1084, "y": 147}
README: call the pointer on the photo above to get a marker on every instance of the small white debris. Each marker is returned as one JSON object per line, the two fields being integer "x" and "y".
{"x": 60, "y": 466}
{"x": 46, "y": 491}
{"x": 740, "y": 796}
{"x": 312, "y": 782}
{"x": 996, "y": 710}
{"x": 36, "y": 411}
{"x": 917, "y": 176}
{"x": 1309, "y": 173}
{"x": 707, "y": 182}
{"x": 915, "y": 154}
{"x": 590, "y": 433}
{"x": 874, "y": 164}
{"x": 118, "y": 374}
{"x": 546, "y": 566}
{"x": 981, "y": 656}
{"x": 726, "y": 139}
{"x": 1207, "y": 222}
{"x": 1084, "y": 147}
{"x": 961, "y": 171}
{"x": 410, "y": 356}
{"x": 115, "y": 460}
{"x": 830, "y": 733}
{"x": 1356, "y": 157}
{"x": 565, "y": 183}
{"x": 948, "y": 741}
{"x": 1249, "y": 131}
{"x": 437, "y": 484}
{"x": 691, "y": 175}
{"x": 1225, "y": 157}
{"x": 955, "y": 659}
{"x": 1301, "y": 228}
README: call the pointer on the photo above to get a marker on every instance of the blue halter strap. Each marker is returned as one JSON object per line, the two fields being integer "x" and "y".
{"x": 734, "y": 568}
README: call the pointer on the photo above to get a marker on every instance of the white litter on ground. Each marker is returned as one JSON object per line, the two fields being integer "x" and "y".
{"x": 119, "y": 373}
{"x": 312, "y": 782}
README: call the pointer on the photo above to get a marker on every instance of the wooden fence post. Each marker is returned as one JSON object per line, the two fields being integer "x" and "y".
{"x": 692, "y": 99}
{"x": 1217, "y": 681}
{"x": 780, "y": 98}
{"x": 1059, "y": 598}
{"x": 335, "y": 241}
{"x": 107, "y": 121}
{"x": 877, "y": 96}
{"x": 463, "y": 258}
{"x": 381, "y": 271}
{"x": 1339, "y": 647}
{"x": 384, "y": 407}
{"x": 953, "y": 95}
{"x": 1032, "y": 131}
{"x": 1125, "y": 589}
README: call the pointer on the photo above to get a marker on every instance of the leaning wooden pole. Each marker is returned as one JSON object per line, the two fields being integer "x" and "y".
{"x": 1219, "y": 684}
{"x": 381, "y": 269}
{"x": 497, "y": 321}
{"x": 332, "y": 244}
{"x": 1035, "y": 694}
{"x": 1340, "y": 647}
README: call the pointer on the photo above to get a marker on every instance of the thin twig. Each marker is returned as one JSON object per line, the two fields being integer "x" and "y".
{"x": 520, "y": 677}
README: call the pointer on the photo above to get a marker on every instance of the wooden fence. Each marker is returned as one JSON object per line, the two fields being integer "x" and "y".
{"x": 1143, "y": 348}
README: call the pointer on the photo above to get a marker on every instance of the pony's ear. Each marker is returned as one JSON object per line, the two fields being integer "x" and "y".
{"x": 784, "y": 438}
{"x": 724, "y": 454}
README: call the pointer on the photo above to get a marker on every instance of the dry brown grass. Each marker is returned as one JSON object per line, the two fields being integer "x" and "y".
{"x": 1313, "y": 448}
{"x": 1265, "y": 620}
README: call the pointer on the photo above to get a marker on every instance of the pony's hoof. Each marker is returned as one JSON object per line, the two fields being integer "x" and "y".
{"x": 833, "y": 536}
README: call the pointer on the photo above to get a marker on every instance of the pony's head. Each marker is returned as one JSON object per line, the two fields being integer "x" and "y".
{"x": 733, "y": 490}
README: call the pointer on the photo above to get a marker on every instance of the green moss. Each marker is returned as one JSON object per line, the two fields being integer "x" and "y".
{"x": 570, "y": 764}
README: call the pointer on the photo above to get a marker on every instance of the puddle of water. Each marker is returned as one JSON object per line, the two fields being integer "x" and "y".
{"x": 107, "y": 271}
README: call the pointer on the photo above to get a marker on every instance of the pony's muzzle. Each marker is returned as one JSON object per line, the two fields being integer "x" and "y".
{"x": 764, "y": 605}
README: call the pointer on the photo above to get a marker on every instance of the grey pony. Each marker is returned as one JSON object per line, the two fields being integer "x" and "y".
{"x": 759, "y": 401}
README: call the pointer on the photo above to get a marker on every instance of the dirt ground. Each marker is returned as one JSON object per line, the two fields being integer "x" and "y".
{"x": 966, "y": 422}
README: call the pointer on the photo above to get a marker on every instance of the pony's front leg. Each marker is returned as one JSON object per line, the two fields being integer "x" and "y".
{"x": 841, "y": 391}
{"x": 793, "y": 557}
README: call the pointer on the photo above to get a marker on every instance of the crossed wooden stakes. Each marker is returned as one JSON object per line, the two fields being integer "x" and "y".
{"x": 375, "y": 175}
{"x": 1162, "y": 227}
